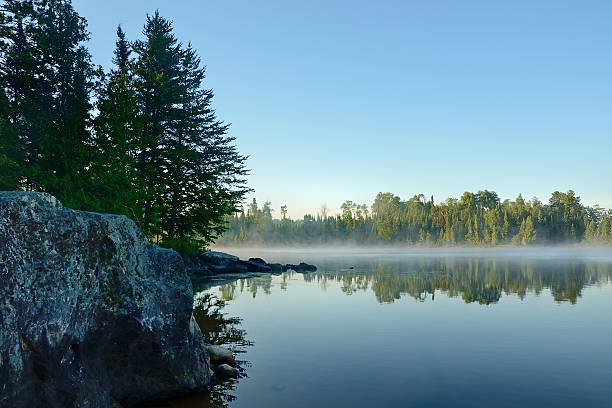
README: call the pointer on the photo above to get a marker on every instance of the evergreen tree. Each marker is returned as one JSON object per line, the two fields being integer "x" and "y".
{"x": 506, "y": 227}
{"x": 157, "y": 74}
{"x": 115, "y": 188}
{"x": 528, "y": 234}
{"x": 48, "y": 79}
{"x": 190, "y": 172}
{"x": 10, "y": 171}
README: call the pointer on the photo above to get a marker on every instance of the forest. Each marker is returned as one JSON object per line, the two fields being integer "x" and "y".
{"x": 141, "y": 140}
{"x": 473, "y": 219}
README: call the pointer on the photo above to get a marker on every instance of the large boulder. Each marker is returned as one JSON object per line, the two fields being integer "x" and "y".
{"x": 91, "y": 314}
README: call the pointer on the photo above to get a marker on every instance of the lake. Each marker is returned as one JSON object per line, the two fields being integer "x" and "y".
{"x": 419, "y": 328}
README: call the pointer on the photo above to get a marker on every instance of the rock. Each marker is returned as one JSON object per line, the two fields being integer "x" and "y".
{"x": 219, "y": 258}
{"x": 219, "y": 355}
{"x": 224, "y": 371}
{"x": 213, "y": 263}
{"x": 258, "y": 261}
{"x": 197, "y": 268}
{"x": 257, "y": 267}
{"x": 302, "y": 267}
{"x": 219, "y": 263}
{"x": 90, "y": 312}
{"x": 277, "y": 268}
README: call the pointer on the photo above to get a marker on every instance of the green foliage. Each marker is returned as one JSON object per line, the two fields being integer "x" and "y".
{"x": 151, "y": 148}
{"x": 48, "y": 79}
{"x": 184, "y": 246}
{"x": 474, "y": 219}
{"x": 189, "y": 172}
{"x": 526, "y": 234}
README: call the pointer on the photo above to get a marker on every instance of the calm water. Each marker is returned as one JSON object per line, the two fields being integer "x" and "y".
{"x": 427, "y": 329}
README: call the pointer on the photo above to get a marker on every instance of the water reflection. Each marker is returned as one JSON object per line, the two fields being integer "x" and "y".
{"x": 474, "y": 280}
{"x": 480, "y": 280}
{"x": 220, "y": 329}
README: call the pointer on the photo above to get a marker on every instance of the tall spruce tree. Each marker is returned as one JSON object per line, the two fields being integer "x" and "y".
{"x": 190, "y": 172}
{"x": 115, "y": 188}
{"x": 157, "y": 71}
{"x": 48, "y": 79}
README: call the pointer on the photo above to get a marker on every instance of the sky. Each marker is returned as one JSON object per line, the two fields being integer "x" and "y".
{"x": 339, "y": 100}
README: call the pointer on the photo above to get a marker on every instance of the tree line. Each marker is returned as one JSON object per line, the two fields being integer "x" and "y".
{"x": 141, "y": 140}
{"x": 473, "y": 219}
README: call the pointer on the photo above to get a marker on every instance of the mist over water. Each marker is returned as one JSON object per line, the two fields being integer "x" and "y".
{"x": 423, "y": 327}
{"x": 349, "y": 251}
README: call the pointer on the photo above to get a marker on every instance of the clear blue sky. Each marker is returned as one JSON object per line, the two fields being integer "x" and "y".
{"x": 337, "y": 100}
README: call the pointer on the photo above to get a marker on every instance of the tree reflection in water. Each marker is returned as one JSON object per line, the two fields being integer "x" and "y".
{"x": 218, "y": 329}
{"x": 480, "y": 280}
{"x": 475, "y": 280}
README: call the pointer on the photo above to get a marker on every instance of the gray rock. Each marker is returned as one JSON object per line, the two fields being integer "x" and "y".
{"x": 257, "y": 267}
{"x": 90, "y": 312}
{"x": 214, "y": 263}
{"x": 258, "y": 261}
{"x": 219, "y": 258}
{"x": 302, "y": 267}
{"x": 277, "y": 268}
{"x": 224, "y": 371}
{"x": 219, "y": 263}
{"x": 209, "y": 264}
{"x": 219, "y": 355}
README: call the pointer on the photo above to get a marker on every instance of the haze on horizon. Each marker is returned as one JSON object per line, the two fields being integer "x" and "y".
{"x": 339, "y": 101}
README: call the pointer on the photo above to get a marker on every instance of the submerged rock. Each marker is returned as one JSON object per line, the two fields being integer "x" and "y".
{"x": 224, "y": 371}
{"x": 90, "y": 313}
{"x": 219, "y": 355}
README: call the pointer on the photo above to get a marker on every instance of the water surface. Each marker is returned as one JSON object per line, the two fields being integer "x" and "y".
{"x": 427, "y": 329}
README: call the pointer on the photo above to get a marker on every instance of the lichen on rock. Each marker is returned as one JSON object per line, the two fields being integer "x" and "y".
{"x": 91, "y": 312}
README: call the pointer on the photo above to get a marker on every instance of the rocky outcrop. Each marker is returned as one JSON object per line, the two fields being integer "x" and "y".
{"x": 213, "y": 263}
{"x": 91, "y": 314}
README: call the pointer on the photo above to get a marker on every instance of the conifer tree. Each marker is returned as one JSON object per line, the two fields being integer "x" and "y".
{"x": 10, "y": 171}
{"x": 114, "y": 172}
{"x": 528, "y": 232}
{"x": 190, "y": 173}
{"x": 157, "y": 72}
{"x": 48, "y": 80}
